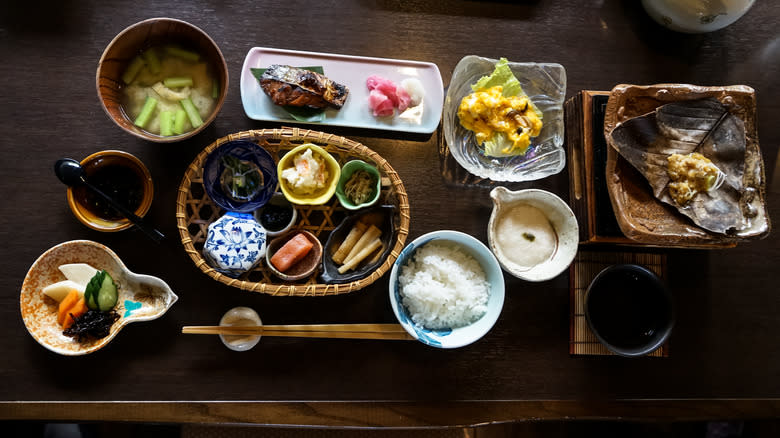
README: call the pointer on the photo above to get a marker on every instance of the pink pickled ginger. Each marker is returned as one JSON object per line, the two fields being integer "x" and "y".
{"x": 380, "y": 104}
{"x": 385, "y": 96}
{"x": 403, "y": 98}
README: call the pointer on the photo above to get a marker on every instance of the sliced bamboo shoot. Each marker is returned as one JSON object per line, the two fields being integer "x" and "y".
{"x": 365, "y": 252}
{"x": 349, "y": 242}
{"x": 371, "y": 233}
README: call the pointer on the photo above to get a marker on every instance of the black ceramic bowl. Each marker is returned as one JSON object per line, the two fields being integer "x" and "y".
{"x": 383, "y": 217}
{"x": 629, "y": 309}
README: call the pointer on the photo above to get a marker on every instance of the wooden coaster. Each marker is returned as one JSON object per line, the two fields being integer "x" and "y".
{"x": 587, "y": 264}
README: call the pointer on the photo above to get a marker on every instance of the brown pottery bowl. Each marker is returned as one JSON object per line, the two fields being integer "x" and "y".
{"x": 131, "y": 42}
{"x": 305, "y": 267}
{"x": 77, "y": 196}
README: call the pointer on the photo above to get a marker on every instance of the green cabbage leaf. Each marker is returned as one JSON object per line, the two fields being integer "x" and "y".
{"x": 499, "y": 144}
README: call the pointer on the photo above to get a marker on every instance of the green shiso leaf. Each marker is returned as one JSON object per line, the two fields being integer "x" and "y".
{"x": 300, "y": 114}
{"x": 499, "y": 145}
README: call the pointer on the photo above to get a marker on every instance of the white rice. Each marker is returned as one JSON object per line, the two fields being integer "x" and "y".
{"x": 443, "y": 287}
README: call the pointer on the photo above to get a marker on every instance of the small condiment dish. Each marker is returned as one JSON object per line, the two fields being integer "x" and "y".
{"x": 381, "y": 216}
{"x": 303, "y": 268}
{"x": 215, "y": 169}
{"x": 461, "y": 336}
{"x": 320, "y": 196}
{"x": 134, "y": 39}
{"x": 120, "y": 175}
{"x": 561, "y": 219}
{"x": 347, "y": 171}
{"x": 141, "y": 297}
{"x": 240, "y": 316}
{"x": 277, "y": 207}
{"x": 629, "y": 310}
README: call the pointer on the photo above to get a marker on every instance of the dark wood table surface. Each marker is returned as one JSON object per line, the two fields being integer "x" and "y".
{"x": 725, "y": 356}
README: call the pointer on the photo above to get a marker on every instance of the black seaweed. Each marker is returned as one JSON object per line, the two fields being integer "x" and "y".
{"x": 276, "y": 217}
{"x": 92, "y": 325}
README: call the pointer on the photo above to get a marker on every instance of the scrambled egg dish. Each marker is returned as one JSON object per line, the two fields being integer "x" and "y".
{"x": 690, "y": 174}
{"x": 487, "y": 112}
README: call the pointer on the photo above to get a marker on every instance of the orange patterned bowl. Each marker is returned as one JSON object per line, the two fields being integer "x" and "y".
{"x": 141, "y": 297}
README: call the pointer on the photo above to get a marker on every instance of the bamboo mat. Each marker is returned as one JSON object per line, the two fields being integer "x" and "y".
{"x": 586, "y": 265}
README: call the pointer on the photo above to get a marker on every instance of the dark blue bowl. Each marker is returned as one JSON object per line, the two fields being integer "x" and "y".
{"x": 246, "y": 151}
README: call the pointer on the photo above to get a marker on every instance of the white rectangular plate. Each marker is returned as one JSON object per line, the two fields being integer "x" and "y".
{"x": 351, "y": 71}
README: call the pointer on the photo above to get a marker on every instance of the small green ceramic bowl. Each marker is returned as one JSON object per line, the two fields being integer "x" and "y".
{"x": 346, "y": 173}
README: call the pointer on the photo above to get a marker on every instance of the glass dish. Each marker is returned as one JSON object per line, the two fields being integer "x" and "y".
{"x": 545, "y": 84}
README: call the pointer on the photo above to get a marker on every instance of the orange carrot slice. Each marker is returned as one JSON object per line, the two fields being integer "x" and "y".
{"x": 70, "y": 299}
{"x": 291, "y": 252}
{"x": 75, "y": 311}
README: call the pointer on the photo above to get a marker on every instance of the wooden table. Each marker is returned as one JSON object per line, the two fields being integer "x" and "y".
{"x": 725, "y": 360}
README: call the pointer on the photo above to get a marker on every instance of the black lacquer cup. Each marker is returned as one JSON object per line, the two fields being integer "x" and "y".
{"x": 629, "y": 309}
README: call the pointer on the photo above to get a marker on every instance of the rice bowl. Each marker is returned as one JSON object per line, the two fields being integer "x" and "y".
{"x": 443, "y": 287}
{"x": 424, "y": 311}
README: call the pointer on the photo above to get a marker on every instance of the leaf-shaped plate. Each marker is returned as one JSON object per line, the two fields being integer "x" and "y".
{"x": 640, "y": 215}
{"x": 141, "y": 297}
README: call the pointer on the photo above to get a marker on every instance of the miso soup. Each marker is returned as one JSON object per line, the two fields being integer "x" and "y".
{"x": 169, "y": 90}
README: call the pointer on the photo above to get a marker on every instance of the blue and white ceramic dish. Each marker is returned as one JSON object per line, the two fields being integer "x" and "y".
{"x": 242, "y": 150}
{"x": 462, "y": 336}
{"x": 235, "y": 243}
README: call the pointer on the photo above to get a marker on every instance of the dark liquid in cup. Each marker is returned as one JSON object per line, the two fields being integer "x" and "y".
{"x": 120, "y": 182}
{"x": 626, "y": 309}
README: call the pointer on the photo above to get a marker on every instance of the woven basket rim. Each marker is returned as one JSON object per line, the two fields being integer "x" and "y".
{"x": 293, "y": 134}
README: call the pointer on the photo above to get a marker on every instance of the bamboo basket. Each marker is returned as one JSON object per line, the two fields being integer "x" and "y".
{"x": 195, "y": 211}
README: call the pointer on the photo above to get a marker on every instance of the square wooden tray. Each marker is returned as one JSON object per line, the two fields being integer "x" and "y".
{"x": 587, "y": 151}
{"x": 641, "y": 216}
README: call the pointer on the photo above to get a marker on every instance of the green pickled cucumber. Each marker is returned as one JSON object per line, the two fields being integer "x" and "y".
{"x": 93, "y": 288}
{"x": 107, "y": 295}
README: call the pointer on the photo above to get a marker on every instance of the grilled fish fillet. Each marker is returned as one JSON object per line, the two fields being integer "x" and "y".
{"x": 292, "y": 86}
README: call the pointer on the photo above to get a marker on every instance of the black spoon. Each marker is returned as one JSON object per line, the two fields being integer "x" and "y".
{"x": 70, "y": 172}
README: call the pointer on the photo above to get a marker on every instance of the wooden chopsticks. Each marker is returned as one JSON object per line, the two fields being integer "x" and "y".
{"x": 333, "y": 331}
